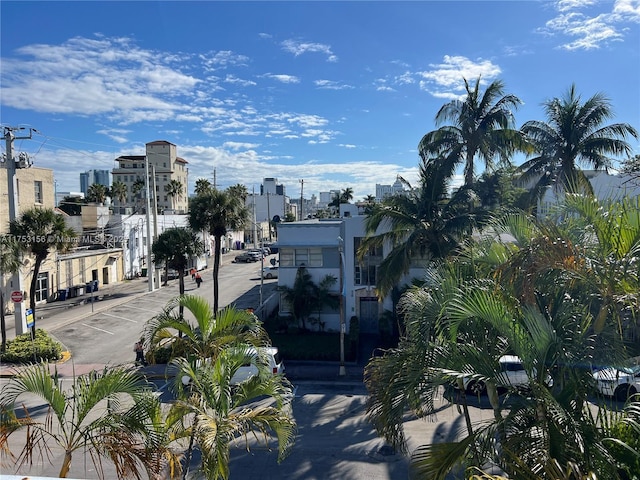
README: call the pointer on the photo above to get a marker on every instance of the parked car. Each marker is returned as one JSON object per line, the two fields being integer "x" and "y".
{"x": 619, "y": 382}
{"x": 270, "y": 272}
{"x": 257, "y": 252}
{"x": 246, "y": 257}
{"x": 513, "y": 375}
{"x": 274, "y": 362}
{"x": 270, "y": 355}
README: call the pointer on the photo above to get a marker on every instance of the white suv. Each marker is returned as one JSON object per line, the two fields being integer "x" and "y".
{"x": 272, "y": 357}
{"x": 512, "y": 374}
{"x": 275, "y": 364}
{"x": 619, "y": 382}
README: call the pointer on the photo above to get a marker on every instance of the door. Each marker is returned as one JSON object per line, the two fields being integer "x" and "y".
{"x": 369, "y": 315}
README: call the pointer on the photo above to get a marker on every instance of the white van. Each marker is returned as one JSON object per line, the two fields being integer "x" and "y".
{"x": 272, "y": 357}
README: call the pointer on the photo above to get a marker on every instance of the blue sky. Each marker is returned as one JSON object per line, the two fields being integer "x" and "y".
{"x": 335, "y": 93}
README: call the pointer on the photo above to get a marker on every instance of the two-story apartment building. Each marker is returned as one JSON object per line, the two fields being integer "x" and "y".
{"x": 328, "y": 247}
{"x": 165, "y": 166}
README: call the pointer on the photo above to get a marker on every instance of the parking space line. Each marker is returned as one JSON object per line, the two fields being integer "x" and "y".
{"x": 100, "y": 329}
{"x": 138, "y": 308}
{"x": 121, "y": 318}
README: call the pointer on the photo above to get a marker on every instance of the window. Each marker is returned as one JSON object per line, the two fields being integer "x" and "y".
{"x": 42, "y": 287}
{"x": 37, "y": 190}
{"x": 301, "y": 256}
{"x": 298, "y": 257}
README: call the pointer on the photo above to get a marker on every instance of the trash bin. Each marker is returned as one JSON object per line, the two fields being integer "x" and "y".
{"x": 73, "y": 292}
{"x": 79, "y": 290}
{"x": 62, "y": 294}
{"x": 88, "y": 287}
{"x": 144, "y": 272}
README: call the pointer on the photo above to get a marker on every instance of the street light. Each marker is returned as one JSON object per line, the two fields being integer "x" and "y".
{"x": 342, "y": 372}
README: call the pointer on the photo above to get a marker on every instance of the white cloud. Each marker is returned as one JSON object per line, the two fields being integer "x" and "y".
{"x": 223, "y": 59}
{"x": 283, "y": 78}
{"x": 298, "y": 48}
{"x": 446, "y": 80}
{"x": 240, "y": 145}
{"x": 588, "y": 30}
{"x": 239, "y": 81}
{"x": 331, "y": 85}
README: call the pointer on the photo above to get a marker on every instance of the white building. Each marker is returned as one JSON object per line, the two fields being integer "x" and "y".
{"x": 383, "y": 191}
{"x": 328, "y": 247}
{"x": 606, "y": 187}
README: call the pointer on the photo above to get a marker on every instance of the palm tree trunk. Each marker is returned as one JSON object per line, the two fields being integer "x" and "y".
{"x": 187, "y": 461}
{"x": 216, "y": 268}
{"x": 32, "y": 293}
{"x": 3, "y": 325}
{"x": 66, "y": 465}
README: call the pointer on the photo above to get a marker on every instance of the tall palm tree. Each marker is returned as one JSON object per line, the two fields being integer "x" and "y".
{"x": 202, "y": 186}
{"x": 421, "y": 225}
{"x": 174, "y": 189}
{"x": 216, "y": 212}
{"x": 482, "y": 125}
{"x": 574, "y": 133}
{"x": 97, "y": 193}
{"x": 119, "y": 191}
{"x": 239, "y": 190}
{"x": 137, "y": 187}
{"x": 39, "y": 231}
{"x": 347, "y": 195}
{"x": 10, "y": 256}
{"x": 93, "y": 418}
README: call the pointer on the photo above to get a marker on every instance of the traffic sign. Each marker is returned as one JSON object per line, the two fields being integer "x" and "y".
{"x": 16, "y": 296}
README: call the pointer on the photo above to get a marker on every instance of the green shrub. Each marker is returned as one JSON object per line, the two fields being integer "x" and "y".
{"x": 22, "y": 350}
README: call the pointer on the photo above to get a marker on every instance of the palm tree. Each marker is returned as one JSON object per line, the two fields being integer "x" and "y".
{"x": 419, "y": 226}
{"x": 174, "y": 189}
{"x": 302, "y": 296}
{"x": 92, "y": 416}
{"x": 217, "y": 211}
{"x": 97, "y": 193}
{"x": 10, "y": 257}
{"x": 119, "y": 191}
{"x": 220, "y": 412}
{"x": 325, "y": 296}
{"x": 202, "y": 186}
{"x": 40, "y": 230}
{"x": 175, "y": 247}
{"x": 347, "y": 195}
{"x": 137, "y": 187}
{"x": 210, "y": 349}
{"x": 482, "y": 126}
{"x": 574, "y": 133}
{"x": 238, "y": 190}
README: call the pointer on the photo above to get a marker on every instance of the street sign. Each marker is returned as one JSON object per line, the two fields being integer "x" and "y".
{"x": 29, "y": 317}
{"x": 16, "y": 296}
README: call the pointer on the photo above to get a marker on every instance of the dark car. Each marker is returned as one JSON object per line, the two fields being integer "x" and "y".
{"x": 246, "y": 257}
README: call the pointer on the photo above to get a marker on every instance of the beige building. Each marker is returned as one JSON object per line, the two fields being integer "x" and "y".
{"x": 34, "y": 188}
{"x": 167, "y": 166}
{"x": 73, "y": 270}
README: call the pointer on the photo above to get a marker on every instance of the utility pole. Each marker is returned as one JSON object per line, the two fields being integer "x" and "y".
{"x": 301, "y": 196}
{"x": 12, "y": 190}
{"x": 156, "y": 272}
{"x": 149, "y": 263}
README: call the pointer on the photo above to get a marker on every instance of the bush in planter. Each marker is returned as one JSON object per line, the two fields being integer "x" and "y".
{"x": 23, "y": 350}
